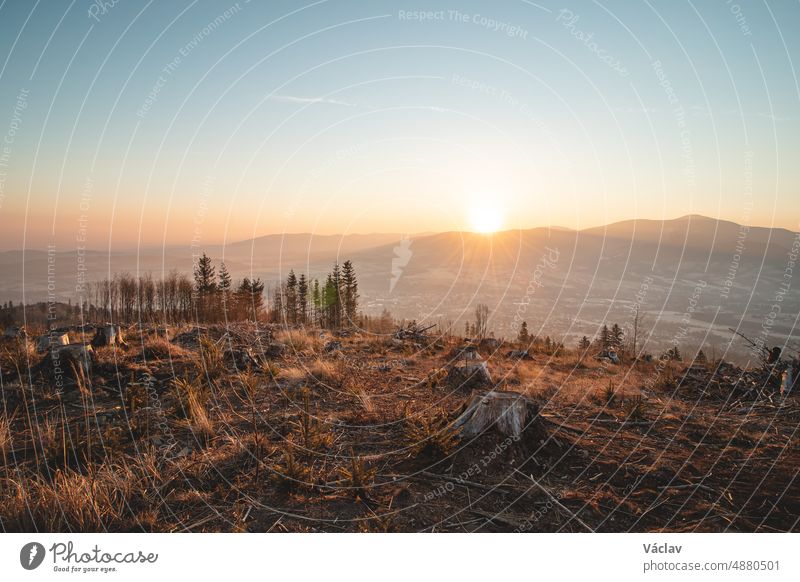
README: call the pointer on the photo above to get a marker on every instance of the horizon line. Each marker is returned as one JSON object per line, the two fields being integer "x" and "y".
{"x": 412, "y": 235}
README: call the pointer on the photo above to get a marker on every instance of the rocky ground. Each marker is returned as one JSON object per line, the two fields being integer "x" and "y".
{"x": 243, "y": 429}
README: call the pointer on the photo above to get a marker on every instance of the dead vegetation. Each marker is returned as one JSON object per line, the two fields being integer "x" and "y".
{"x": 244, "y": 429}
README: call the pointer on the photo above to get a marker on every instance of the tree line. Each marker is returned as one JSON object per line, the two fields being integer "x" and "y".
{"x": 331, "y": 304}
{"x": 210, "y": 295}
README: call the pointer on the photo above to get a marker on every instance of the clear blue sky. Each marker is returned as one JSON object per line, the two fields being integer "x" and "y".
{"x": 142, "y": 122}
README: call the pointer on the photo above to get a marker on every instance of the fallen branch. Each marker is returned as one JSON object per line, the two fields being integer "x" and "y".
{"x": 554, "y": 500}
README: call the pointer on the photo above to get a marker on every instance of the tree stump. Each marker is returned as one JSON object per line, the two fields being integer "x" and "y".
{"x": 13, "y": 332}
{"x": 333, "y": 346}
{"x": 489, "y": 344}
{"x": 51, "y": 340}
{"x": 469, "y": 353}
{"x": 469, "y": 374}
{"x": 65, "y": 365}
{"x": 508, "y": 413}
{"x": 108, "y": 335}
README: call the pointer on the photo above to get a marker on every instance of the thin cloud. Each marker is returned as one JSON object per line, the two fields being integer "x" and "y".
{"x": 305, "y": 100}
{"x": 635, "y": 110}
{"x": 774, "y": 117}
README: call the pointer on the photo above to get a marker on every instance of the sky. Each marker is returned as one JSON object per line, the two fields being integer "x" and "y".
{"x": 129, "y": 123}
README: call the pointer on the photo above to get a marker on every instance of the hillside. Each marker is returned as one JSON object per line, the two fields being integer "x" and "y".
{"x": 243, "y": 429}
{"x": 600, "y": 274}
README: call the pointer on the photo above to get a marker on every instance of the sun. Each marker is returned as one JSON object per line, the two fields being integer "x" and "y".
{"x": 485, "y": 216}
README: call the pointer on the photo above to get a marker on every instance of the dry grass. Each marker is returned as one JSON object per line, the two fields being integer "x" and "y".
{"x": 300, "y": 341}
{"x": 327, "y": 373}
{"x": 363, "y": 398}
{"x": 72, "y": 501}
{"x": 5, "y": 438}
{"x": 193, "y": 399}
{"x": 375, "y": 452}
{"x": 293, "y": 376}
{"x": 211, "y": 357}
{"x": 159, "y": 348}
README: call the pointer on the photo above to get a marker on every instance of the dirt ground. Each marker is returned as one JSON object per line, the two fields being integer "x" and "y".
{"x": 239, "y": 429}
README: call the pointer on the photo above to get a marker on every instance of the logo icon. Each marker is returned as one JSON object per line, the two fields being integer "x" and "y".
{"x": 31, "y": 555}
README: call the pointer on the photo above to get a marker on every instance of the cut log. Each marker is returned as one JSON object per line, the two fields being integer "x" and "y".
{"x": 108, "y": 335}
{"x": 508, "y": 413}
{"x": 50, "y": 340}
{"x": 518, "y": 355}
{"x": 468, "y": 375}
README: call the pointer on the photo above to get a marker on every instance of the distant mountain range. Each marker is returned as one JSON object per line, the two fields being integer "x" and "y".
{"x": 693, "y": 276}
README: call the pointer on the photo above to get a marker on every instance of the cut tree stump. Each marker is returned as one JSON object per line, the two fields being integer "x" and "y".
{"x": 108, "y": 335}
{"x": 489, "y": 344}
{"x": 64, "y": 365}
{"x": 13, "y": 332}
{"x": 470, "y": 374}
{"x": 333, "y": 346}
{"x": 508, "y": 413}
{"x": 51, "y": 340}
{"x": 77, "y": 356}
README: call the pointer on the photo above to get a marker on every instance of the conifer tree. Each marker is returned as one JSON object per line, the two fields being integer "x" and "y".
{"x": 204, "y": 286}
{"x": 605, "y": 338}
{"x": 349, "y": 288}
{"x": 523, "y": 336}
{"x": 250, "y": 298}
{"x": 224, "y": 285}
{"x": 316, "y": 301}
{"x": 616, "y": 336}
{"x": 302, "y": 299}
{"x": 290, "y": 298}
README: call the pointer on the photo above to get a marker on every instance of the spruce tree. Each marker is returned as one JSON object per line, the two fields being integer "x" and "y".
{"x": 349, "y": 293}
{"x": 605, "y": 338}
{"x": 204, "y": 286}
{"x": 316, "y": 301}
{"x": 302, "y": 299}
{"x": 523, "y": 336}
{"x": 224, "y": 285}
{"x": 616, "y": 336}
{"x": 277, "y": 315}
{"x": 290, "y": 299}
{"x": 335, "y": 296}
{"x": 250, "y": 297}
{"x": 330, "y": 300}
